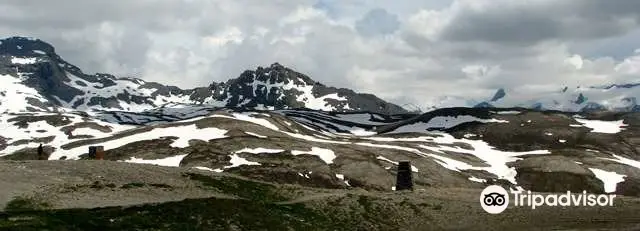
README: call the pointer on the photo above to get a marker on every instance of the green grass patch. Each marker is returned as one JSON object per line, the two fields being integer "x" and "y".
{"x": 256, "y": 191}
{"x": 190, "y": 214}
{"x": 26, "y": 204}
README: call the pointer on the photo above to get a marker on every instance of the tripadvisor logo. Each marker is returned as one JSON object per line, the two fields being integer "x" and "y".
{"x": 495, "y": 199}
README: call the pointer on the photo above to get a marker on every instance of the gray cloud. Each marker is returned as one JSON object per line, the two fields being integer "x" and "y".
{"x": 377, "y": 22}
{"x": 530, "y": 22}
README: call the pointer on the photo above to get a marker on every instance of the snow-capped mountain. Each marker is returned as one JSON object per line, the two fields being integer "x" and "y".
{"x": 34, "y": 78}
{"x": 614, "y": 97}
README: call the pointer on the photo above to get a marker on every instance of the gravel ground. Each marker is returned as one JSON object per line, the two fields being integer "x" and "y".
{"x": 83, "y": 184}
{"x": 90, "y": 184}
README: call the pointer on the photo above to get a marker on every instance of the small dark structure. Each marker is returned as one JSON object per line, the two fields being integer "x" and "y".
{"x": 404, "y": 180}
{"x": 41, "y": 154}
{"x": 96, "y": 152}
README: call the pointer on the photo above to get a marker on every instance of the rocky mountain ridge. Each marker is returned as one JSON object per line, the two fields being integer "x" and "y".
{"x": 38, "y": 79}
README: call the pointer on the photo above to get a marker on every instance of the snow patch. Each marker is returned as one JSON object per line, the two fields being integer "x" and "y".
{"x": 259, "y": 150}
{"x": 623, "y": 160}
{"x": 256, "y": 135}
{"x": 184, "y": 134}
{"x": 475, "y": 179}
{"x": 208, "y": 169}
{"x": 600, "y": 126}
{"x": 508, "y": 112}
{"x": 14, "y": 95}
{"x": 326, "y": 155}
{"x": 23, "y": 61}
{"x": 610, "y": 179}
{"x": 413, "y": 168}
{"x": 361, "y": 132}
{"x": 410, "y": 139}
{"x": 173, "y": 161}
{"x": 442, "y": 122}
{"x": 239, "y": 161}
{"x": 496, "y": 159}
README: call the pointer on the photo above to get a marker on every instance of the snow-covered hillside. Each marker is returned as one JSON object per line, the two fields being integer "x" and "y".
{"x": 444, "y": 148}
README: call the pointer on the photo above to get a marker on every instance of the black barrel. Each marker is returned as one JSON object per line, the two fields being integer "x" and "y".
{"x": 404, "y": 180}
{"x": 96, "y": 152}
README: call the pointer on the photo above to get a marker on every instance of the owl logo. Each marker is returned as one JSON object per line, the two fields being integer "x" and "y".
{"x": 493, "y": 199}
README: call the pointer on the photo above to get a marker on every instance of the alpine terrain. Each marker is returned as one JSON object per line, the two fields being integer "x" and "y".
{"x": 275, "y": 150}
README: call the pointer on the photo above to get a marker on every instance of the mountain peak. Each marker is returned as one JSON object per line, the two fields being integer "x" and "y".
{"x": 280, "y": 87}
{"x": 499, "y": 95}
{"x": 25, "y": 46}
{"x": 276, "y": 65}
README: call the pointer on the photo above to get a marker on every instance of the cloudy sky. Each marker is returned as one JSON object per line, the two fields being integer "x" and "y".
{"x": 416, "y": 51}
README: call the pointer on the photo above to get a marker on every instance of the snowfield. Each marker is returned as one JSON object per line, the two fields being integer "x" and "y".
{"x": 239, "y": 161}
{"x": 23, "y": 61}
{"x": 610, "y": 179}
{"x": 603, "y": 126}
{"x": 184, "y": 134}
{"x": 16, "y": 95}
{"x": 173, "y": 161}
{"x": 324, "y": 154}
{"x": 468, "y": 156}
{"x": 442, "y": 122}
{"x": 259, "y": 150}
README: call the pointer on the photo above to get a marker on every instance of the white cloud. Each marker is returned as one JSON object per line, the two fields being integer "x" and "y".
{"x": 575, "y": 61}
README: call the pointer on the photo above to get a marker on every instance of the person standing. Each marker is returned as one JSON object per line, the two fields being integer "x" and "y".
{"x": 41, "y": 155}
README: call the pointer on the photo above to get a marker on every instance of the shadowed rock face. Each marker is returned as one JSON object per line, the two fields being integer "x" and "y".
{"x": 3, "y": 143}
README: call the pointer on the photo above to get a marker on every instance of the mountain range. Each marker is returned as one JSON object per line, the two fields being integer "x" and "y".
{"x": 613, "y": 97}
{"x": 35, "y": 78}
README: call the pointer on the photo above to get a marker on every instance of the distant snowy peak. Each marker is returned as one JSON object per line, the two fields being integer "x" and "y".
{"x": 35, "y": 71}
{"x": 614, "y": 97}
{"x": 499, "y": 95}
